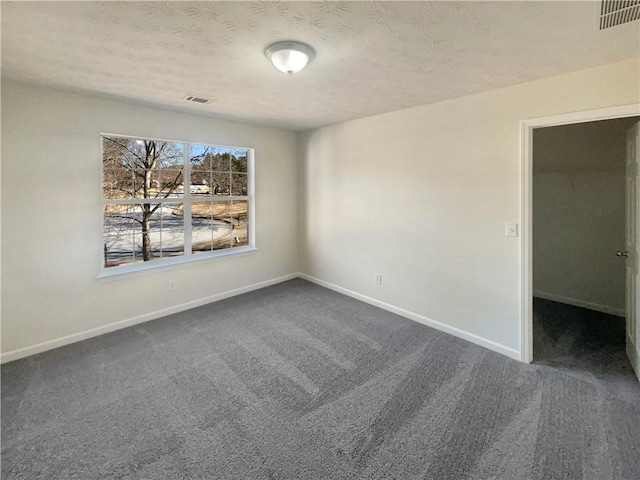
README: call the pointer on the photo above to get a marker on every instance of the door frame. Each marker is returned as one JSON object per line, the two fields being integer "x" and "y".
{"x": 526, "y": 204}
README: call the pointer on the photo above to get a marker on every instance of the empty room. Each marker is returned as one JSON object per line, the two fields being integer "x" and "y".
{"x": 320, "y": 240}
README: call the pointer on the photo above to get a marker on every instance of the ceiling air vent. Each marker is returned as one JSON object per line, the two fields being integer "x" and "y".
{"x": 203, "y": 101}
{"x": 617, "y": 12}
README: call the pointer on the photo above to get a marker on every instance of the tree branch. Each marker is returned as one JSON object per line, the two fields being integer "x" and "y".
{"x": 124, "y": 147}
{"x": 125, "y": 217}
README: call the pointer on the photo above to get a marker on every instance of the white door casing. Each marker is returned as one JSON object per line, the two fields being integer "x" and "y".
{"x": 526, "y": 211}
{"x": 632, "y": 246}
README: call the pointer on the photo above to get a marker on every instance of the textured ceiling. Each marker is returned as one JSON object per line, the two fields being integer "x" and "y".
{"x": 372, "y": 57}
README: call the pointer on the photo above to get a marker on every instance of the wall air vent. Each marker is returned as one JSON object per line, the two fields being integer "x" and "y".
{"x": 203, "y": 101}
{"x": 617, "y": 12}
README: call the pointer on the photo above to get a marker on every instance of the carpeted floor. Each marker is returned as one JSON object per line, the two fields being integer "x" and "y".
{"x": 586, "y": 344}
{"x": 298, "y": 382}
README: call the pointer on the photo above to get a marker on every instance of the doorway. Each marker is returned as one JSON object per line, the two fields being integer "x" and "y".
{"x": 578, "y": 225}
{"x": 565, "y": 294}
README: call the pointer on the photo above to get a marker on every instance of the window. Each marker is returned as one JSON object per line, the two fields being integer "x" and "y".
{"x": 165, "y": 202}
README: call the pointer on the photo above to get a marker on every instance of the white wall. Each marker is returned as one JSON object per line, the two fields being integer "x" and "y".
{"x": 579, "y": 214}
{"x": 52, "y": 215}
{"x": 422, "y": 196}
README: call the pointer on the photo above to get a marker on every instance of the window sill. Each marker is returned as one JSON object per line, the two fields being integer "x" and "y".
{"x": 115, "y": 273}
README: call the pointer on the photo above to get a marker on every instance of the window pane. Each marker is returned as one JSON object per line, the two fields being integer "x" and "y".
{"x": 221, "y": 183}
{"x": 119, "y": 230}
{"x": 117, "y": 183}
{"x": 211, "y": 226}
{"x": 238, "y": 184}
{"x": 200, "y": 210}
{"x": 135, "y": 168}
{"x": 201, "y": 168}
{"x": 169, "y": 155}
{"x": 240, "y": 211}
{"x": 200, "y": 183}
{"x": 217, "y": 237}
{"x": 167, "y": 232}
{"x": 222, "y": 162}
{"x": 202, "y": 158}
{"x": 239, "y": 162}
{"x": 240, "y": 234}
{"x": 167, "y": 184}
{"x": 126, "y": 241}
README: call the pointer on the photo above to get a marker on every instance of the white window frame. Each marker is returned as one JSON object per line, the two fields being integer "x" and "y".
{"x": 187, "y": 200}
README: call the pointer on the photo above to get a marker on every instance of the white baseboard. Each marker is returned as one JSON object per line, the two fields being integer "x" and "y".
{"x": 456, "y": 332}
{"x": 580, "y": 303}
{"x": 94, "y": 332}
{"x": 633, "y": 352}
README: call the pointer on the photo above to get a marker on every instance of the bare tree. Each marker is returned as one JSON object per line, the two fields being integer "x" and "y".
{"x": 144, "y": 169}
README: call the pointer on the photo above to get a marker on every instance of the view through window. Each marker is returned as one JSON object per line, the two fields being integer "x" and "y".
{"x": 167, "y": 200}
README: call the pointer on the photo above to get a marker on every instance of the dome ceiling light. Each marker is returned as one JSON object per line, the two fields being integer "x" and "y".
{"x": 289, "y": 57}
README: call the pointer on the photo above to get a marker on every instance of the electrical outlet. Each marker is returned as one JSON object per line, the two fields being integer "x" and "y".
{"x": 379, "y": 278}
{"x": 172, "y": 284}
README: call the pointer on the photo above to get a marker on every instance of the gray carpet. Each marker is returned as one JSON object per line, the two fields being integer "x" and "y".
{"x": 586, "y": 344}
{"x": 298, "y": 382}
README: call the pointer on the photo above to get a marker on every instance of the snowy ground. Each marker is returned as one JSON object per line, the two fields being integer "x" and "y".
{"x": 123, "y": 237}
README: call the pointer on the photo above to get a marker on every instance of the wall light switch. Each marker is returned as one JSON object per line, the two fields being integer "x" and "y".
{"x": 511, "y": 229}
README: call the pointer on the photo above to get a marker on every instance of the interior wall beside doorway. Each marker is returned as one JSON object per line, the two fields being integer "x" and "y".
{"x": 579, "y": 214}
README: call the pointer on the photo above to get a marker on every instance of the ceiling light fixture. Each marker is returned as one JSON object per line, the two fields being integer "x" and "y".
{"x": 289, "y": 57}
